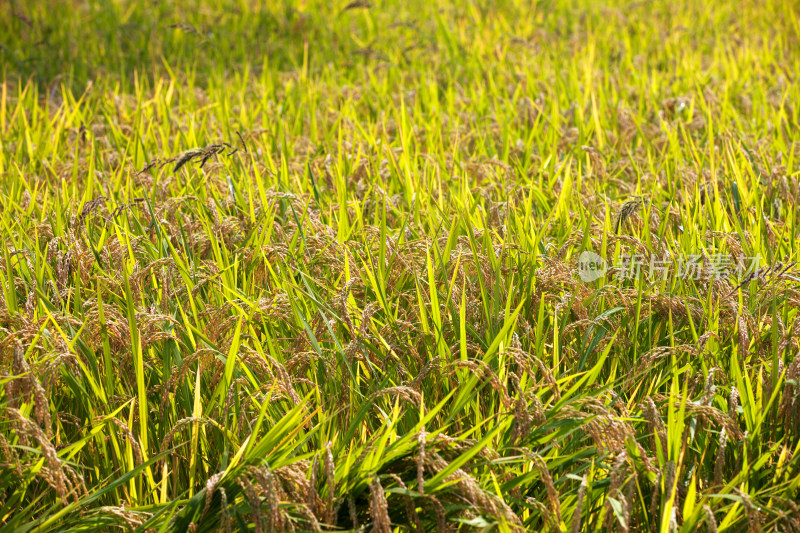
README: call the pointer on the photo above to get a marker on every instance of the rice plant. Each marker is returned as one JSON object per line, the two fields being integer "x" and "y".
{"x": 399, "y": 266}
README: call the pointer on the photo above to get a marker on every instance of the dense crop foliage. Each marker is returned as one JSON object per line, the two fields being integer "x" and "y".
{"x": 399, "y": 266}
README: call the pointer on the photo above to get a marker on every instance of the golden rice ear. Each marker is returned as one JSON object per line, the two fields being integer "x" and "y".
{"x": 628, "y": 210}
{"x": 211, "y": 486}
{"x": 719, "y": 464}
{"x": 28, "y": 384}
{"x": 10, "y": 456}
{"x": 180, "y": 424}
{"x": 711, "y": 522}
{"x": 577, "y": 514}
{"x": 754, "y": 515}
{"x": 311, "y": 524}
{"x": 137, "y": 450}
{"x": 276, "y": 521}
{"x": 251, "y": 494}
{"x": 420, "y": 459}
{"x": 441, "y": 515}
{"x": 351, "y": 508}
{"x": 415, "y": 523}
{"x": 226, "y": 526}
{"x": 67, "y": 484}
{"x": 379, "y": 508}
{"x": 329, "y": 514}
{"x": 552, "y": 492}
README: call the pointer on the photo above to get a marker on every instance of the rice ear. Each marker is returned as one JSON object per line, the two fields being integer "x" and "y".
{"x": 379, "y": 508}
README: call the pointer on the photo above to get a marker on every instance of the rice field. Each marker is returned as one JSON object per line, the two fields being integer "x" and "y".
{"x": 399, "y": 266}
